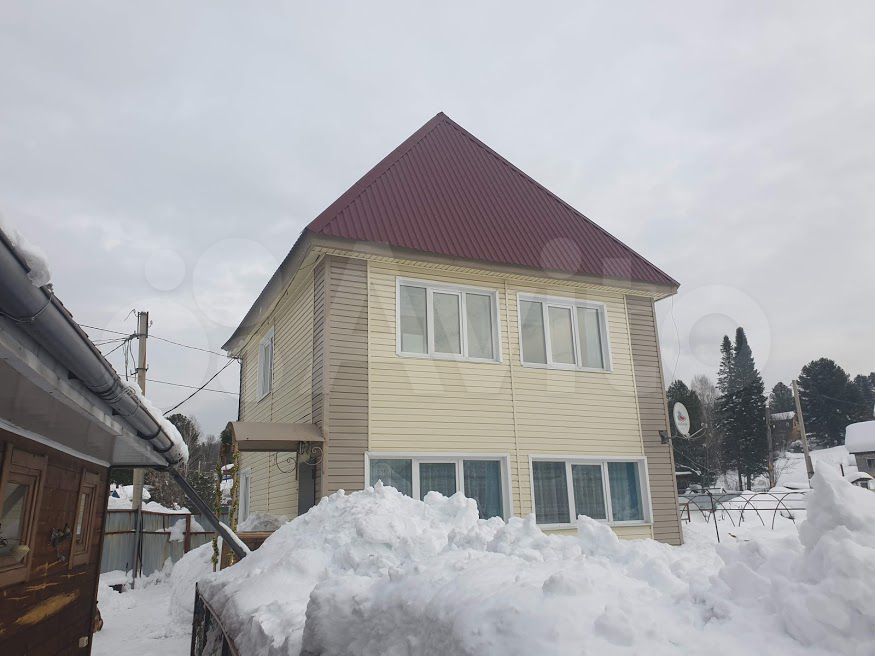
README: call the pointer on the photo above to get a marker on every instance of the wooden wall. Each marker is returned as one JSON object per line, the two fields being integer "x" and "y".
{"x": 53, "y": 609}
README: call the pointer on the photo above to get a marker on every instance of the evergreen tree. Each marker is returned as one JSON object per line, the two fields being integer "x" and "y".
{"x": 741, "y": 410}
{"x": 688, "y": 452}
{"x": 750, "y": 417}
{"x": 781, "y": 399}
{"x": 865, "y": 396}
{"x": 829, "y": 401}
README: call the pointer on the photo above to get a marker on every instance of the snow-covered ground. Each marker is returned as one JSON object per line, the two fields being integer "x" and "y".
{"x": 375, "y": 572}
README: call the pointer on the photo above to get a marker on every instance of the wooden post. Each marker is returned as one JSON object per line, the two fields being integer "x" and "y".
{"x": 186, "y": 544}
{"x": 771, "y": 448}
{"x": 809, "y": 466}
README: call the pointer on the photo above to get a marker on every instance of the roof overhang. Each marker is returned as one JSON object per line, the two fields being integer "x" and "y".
{"x": 267, "y": 436}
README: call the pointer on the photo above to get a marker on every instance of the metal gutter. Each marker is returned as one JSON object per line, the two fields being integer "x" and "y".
{"x": 44, "y": 318}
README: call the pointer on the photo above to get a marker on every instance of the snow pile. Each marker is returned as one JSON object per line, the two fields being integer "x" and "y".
{"x": 261, "y": 521}
{"x": 187, "y": 571}
{"x": 860, "y": 437}
{"x": 376, "y": 572}
{"x": 33, "y": 256}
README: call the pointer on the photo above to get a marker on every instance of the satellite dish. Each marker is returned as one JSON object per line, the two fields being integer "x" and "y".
{"x": 681, "y": 418}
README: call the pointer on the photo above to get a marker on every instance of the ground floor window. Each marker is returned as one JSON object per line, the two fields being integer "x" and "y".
{"x": 612, "y": 490}
{"x": 21, "y": 478}
{"x": 482, "y": 478}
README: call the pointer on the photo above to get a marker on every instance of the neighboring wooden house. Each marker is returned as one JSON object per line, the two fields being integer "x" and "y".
{"x": 65, "y": 418}
{"x": 449, "y": 324}
{"x": 785, "y": 430}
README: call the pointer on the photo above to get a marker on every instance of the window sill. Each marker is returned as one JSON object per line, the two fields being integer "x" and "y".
{"x": 567, "y": 367}
{"x": 262, "y": 397}
{"x": 556, "y": 527}
{"x": 446, "y": 358}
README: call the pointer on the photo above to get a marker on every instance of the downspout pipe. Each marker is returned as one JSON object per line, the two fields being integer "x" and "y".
{"x": 44, "y": 318}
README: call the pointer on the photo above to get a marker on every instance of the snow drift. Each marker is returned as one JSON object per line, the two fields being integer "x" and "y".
{"x": 375, "y": 572}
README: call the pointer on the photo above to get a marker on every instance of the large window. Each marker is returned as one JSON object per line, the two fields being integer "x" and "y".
{"x": 442, "y": 321}
{"x": 21, "y": 478}
{"x": 265, "y": 365}
{"x": 482, "y": 478}
{"x": 563, "y": 333}
{"x": 606, "y": 489}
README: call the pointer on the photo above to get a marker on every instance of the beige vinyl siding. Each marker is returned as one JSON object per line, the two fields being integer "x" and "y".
{"x": 427, "y": 405}
{"x": 345, "y": 386}
{"x": 654, "y": 418}
{"x": 290, "y": 400}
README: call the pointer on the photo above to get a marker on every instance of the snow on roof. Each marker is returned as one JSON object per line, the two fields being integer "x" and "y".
{"x": 783, "y": 416}
{"x": 860, "y": 437}
{"x": 165, "y": 424}
{"x": 33, "y": 255}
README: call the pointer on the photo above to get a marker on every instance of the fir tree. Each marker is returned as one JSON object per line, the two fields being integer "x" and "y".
{"x": 865, "y": 397}
{"x": 688, "y": 452}
{"x": 829, "y": 401}
{"x": 750, "y": 411}
{"x": 741, "y": 410}
{"x": 781, "y": 399}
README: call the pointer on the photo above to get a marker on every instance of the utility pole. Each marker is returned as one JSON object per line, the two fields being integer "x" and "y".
{"x": 137, "y": 500}
{"x": 769, "y": 439}
{"x": 809, "y": 466}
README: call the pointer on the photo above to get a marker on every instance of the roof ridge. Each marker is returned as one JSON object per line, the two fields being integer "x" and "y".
{"x": 394, "y": 155}
{"x": 526, "y": 176}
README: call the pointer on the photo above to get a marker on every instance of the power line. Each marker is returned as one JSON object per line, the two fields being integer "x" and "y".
{"x": 194, "y": 387}
{"x": 227, "y": 364}
{"x": 163, "y": 339}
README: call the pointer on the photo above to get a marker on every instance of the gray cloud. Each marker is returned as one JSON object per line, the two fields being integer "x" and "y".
{"x": 730, "y": 144}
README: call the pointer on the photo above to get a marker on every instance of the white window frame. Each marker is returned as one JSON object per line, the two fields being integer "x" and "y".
{"x": 643, "y": 480}
{"x": 261, "y": 392}
{"x": 456, "y": 458}
{"x": 572, "y": 304}
{"x": 243, "y": 507}
{"x": 431, "y": 287}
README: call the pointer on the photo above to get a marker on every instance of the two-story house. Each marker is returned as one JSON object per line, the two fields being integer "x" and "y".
{"x": 449, "y": 324}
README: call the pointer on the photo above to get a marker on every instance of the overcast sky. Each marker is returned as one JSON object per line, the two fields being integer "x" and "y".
{"x": 166, "y": 155}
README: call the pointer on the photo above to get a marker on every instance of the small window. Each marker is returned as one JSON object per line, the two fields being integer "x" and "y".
{"x": 563, "y": 333}
{"x": 605, "y": 490}
{"x": 447, "y": 322}
{"x": 265, "y": 365}
{"x": 83, "y": 527}
{"x": 21, "y": 479}
{"x": 483, "y": 479}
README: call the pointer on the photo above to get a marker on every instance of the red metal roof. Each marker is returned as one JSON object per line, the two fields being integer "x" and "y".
{"x": 443, "y": 191}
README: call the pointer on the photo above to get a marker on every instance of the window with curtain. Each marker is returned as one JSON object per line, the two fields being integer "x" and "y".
{"x": 437, "y": 477}
{"x": 483, "y": 484}
{"x": 395, "y": 473}
{"x": 446, "y": 322}
{"x": 589, "y": 494}
{"x": 605, "y": 490}
{"x": 551, "y": 492}
{"x": 483, "y": 479}
{"x": 625, "y": 487}
{"x": 562, "y": 334}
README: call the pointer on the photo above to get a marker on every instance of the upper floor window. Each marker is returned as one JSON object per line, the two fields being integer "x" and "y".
{"x": 563, "y": 333}
{"x": 447, "y": 321}
{"x": 265, "y": 365}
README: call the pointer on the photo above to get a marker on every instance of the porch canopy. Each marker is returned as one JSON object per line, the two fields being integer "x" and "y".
{"x": 266, "y": 436}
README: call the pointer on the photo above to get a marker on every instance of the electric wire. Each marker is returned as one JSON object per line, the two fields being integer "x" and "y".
{"x": 213, "y": 377}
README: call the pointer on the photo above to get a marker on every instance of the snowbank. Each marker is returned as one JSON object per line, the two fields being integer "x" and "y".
{"x": 33, "y": 256}
{"x": 860, "y": 437}
{"x": 187, "y": 571}
{"x": 376, "y": 572}
{"x": 259, "y": 521}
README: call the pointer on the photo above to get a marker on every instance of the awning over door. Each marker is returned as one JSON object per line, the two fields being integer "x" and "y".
{"x": 266, "y": 436}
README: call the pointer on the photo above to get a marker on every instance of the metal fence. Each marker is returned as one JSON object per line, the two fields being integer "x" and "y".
{"x": 761, "y": 508}
{"x": 160, "y": 540}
